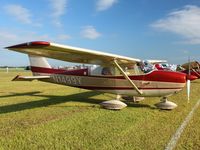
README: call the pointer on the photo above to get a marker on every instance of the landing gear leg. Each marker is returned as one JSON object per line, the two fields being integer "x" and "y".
{"x": 165, "y": 104}
{"x": 118, "y": 97}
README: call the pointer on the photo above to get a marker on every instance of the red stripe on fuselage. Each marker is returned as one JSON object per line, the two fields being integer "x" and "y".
{"x": 77, "y": 72}
{"x": 157, "y": 75}
{"x": 123, "y": 88}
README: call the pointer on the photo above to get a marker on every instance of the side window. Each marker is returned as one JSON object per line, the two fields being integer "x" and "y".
{"x": 106, "y": 71}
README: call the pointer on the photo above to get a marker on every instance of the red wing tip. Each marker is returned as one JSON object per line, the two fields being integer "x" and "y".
{"x": 29, "y": 44}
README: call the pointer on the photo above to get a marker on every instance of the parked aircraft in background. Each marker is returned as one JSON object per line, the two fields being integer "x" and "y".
{"x": 110, "y": 73}
{"x": 192, "y": 67}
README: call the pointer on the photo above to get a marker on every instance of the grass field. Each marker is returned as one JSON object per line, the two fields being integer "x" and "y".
{"x": 37, "y": 115}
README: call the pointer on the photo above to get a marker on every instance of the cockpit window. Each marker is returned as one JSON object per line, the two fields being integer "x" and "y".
{"x": 106, "y": 71}
{"x": 146, "y": 67}
{"x": 140, "y": 68}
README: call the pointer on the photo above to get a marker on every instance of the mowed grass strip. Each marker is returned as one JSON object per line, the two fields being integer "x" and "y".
{"x": 191, "y": 136}
{"x": 37, "y": 115}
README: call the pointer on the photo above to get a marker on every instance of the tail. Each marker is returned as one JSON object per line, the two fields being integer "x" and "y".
{"x": 39, "y": 65}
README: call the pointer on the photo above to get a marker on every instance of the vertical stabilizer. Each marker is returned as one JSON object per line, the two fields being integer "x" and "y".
{"x": 38, "y": 64}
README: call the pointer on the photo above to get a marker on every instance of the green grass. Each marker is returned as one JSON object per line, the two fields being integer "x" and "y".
{"x": 12, "y": 69}
{"x": 37, "y": 115}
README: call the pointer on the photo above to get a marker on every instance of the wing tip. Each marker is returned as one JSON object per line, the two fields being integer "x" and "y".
{"x": 29, "y": 44}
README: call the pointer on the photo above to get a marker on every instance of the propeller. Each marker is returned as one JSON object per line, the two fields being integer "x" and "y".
{"x": 188, "y": 82}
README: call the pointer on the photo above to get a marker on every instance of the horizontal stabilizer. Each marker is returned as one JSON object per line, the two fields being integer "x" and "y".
{"x": 29, "y": 78}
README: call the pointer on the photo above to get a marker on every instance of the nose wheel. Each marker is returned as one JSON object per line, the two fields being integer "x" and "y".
{"x": 165, "y": 104}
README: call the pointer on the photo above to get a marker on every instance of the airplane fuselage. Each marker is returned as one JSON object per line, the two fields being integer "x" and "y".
{"x": 154, "y": 84}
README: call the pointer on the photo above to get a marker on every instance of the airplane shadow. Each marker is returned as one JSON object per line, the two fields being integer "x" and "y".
{"x": 196, "y": 82}
{"x": 12, "y": 94}
{"x": 139, "y": 105}
{"x": 48, "y": 100}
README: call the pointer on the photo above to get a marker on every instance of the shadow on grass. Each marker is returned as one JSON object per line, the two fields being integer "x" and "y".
{"x": 12, "y": 94}
{"x": 139, "y": 105}
{"x": 53, "y": 100}
{"x": 196, "y": 82}
{"x": 49, "y": 100}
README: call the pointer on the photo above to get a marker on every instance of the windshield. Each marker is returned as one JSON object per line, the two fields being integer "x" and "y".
{"x": 146, "y": 67}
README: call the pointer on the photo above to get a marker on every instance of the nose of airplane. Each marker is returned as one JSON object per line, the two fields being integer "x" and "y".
{"x": 191, "y": 77}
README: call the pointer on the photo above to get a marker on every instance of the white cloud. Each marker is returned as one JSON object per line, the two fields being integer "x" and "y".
{"x": 7, "y": 36}
{"x": 90, "y": 32}
{"x": 63, "y": 37}
{"x": 105, "y": 4}
{"x": 11, "y": 37}
{"x": 58, "y": 9}
{"x": 184, "y": 22}
{"x": 19, "y": 13}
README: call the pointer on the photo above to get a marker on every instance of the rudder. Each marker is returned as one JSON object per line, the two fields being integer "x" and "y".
{"x": 38, "y": 64}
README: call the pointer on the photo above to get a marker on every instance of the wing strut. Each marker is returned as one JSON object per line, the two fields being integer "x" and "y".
{"x": 127, "y": 77}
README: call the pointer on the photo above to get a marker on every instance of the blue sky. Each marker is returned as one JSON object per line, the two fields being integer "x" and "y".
{"x": 145, "y": 29}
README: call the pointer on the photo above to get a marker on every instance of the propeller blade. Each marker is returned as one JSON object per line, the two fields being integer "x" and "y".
{"x": 188, "y": 90}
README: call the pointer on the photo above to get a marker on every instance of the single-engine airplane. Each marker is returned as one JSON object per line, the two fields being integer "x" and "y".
{"x": 110, "y": 73}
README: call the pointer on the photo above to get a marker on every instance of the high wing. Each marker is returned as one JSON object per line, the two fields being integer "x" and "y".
{"x": 72, "y": 54}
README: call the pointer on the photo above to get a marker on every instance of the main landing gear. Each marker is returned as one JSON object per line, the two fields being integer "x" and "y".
{"x": 114, "y": 104}
{"x": 165, "y": 104}
{"x": 117, "y": 104}
{"x": 133, "y": 99}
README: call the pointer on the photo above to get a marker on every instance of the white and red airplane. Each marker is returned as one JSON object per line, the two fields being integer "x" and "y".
{"x": 114, "y": 74}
